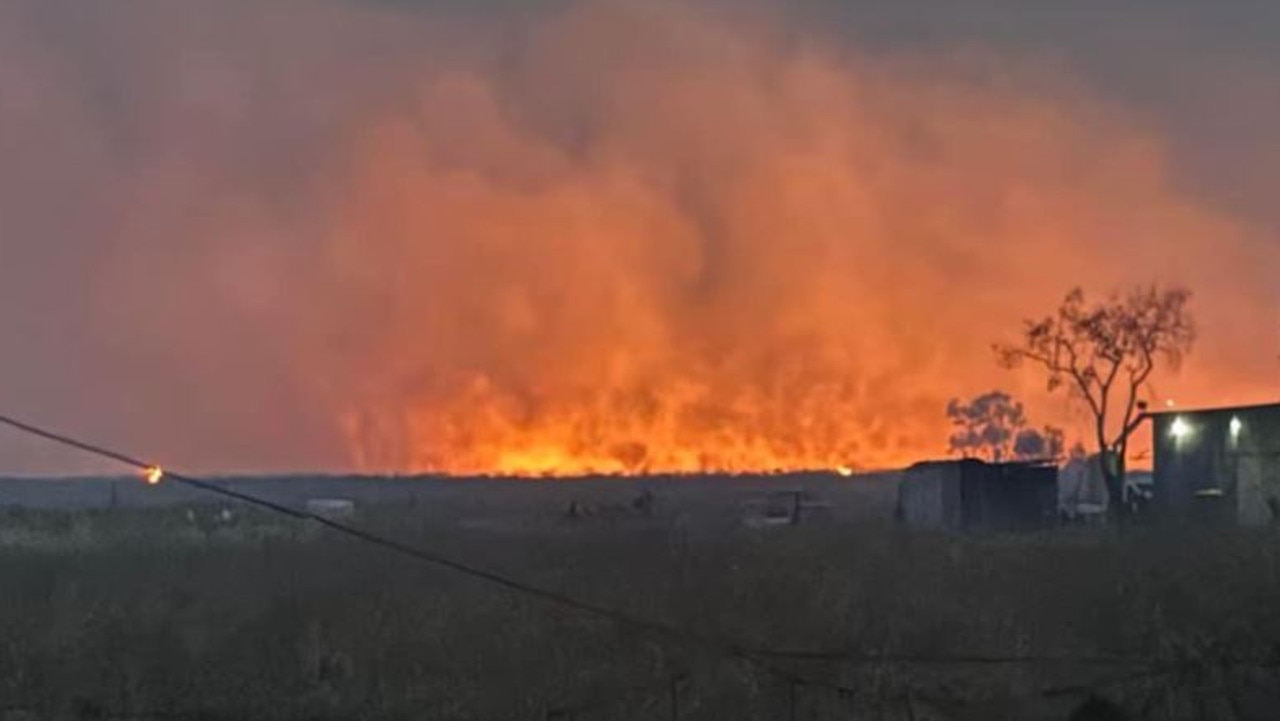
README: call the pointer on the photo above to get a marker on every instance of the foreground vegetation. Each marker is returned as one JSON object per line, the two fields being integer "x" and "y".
{"x": 141, "y": 615}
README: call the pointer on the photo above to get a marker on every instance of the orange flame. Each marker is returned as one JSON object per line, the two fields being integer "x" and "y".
{"x": 631, "y": 236}
{"x": 759, "y": 259}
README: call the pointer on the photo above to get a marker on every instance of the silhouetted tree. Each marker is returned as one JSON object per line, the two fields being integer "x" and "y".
{"x": 1044, "y": 444}
{"x": 1104, "y": 353}
{"x": 993, "y": 427}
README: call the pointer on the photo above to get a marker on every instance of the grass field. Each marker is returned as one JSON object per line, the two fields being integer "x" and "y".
{"x": 144, "y": 614}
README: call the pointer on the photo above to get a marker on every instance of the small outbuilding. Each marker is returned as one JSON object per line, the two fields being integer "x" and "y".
{"x": 1082, "y": 491}
{"x": 973, "y": 495}
{"x": 1219, "y": 466}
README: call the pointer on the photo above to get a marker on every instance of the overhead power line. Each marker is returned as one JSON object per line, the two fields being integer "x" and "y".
{"x": 749, "y": 654}
{"x": 758, "y": 656}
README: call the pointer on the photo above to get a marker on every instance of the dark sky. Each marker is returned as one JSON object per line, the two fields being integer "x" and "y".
{"x": 1204, "y": 70}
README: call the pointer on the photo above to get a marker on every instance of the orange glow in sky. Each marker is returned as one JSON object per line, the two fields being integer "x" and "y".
{"x": 631, "y": 236}
{"x": 757, "y": 258}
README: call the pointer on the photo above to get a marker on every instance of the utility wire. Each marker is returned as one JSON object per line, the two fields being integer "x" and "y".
{"x": 661, "y": 630}
{"x": 755, "y": 655}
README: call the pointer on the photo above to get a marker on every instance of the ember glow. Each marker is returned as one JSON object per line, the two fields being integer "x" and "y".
{"x": 614, "y": 237}
{"x": 752, "y": 258}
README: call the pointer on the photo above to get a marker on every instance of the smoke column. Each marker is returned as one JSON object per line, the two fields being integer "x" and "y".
{"x": 610, "y": 236}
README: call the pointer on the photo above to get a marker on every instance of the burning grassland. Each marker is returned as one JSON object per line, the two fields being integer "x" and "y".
{"x": 620, "y": 237}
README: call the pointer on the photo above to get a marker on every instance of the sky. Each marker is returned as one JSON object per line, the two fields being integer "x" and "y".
{"x": 1198, "y": 71}
{"x": 621, "y": 235}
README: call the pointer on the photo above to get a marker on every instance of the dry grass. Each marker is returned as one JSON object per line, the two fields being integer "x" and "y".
{"x": 136, "y": 614}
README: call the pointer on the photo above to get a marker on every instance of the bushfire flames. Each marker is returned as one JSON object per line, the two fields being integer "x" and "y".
{"x": 747, "y": 258}
{"x": 619, "y": 237}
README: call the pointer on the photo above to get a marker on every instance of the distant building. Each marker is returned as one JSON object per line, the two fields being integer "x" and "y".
{"x": 1082, "y": 492}
{"x": 972, "y": 495}
{"x": 1220, "y": 466}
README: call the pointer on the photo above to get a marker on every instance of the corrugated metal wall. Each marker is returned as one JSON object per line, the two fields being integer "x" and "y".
{"x": 970, "y": 495}
{"x": 1221, "y": 468}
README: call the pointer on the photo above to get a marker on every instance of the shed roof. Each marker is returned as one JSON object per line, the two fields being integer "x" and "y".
{"x": 1275, "y": 406}
{"x": 1037, "y": 463}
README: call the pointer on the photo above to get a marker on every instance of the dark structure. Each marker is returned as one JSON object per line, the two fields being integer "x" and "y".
{"x": 1220, "y": 466}
{"x": 971, "y": 495}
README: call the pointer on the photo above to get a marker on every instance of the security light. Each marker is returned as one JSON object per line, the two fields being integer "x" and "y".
{"x": 1179, "y": 429}
{"x": 1235, "y": 426}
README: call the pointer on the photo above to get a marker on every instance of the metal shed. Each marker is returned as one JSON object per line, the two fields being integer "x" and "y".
{"x": 1219, "y": 466}
{"x": 972, "y": 495}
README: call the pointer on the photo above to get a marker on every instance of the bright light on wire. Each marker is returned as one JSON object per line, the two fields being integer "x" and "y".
{"x": 655, "y": 629}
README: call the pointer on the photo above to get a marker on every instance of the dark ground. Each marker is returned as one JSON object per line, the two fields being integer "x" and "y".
{"x": 144, "y": 613}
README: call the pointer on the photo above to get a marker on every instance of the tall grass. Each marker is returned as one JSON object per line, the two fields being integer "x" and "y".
{"x": 137, "y": 614}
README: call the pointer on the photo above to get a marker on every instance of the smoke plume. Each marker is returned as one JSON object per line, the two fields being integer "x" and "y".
{"x": 610, "y": 236}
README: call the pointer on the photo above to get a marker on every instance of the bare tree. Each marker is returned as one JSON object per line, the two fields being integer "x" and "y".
{"x": 993, "y": 427}
{"x": 1105, "y": 353}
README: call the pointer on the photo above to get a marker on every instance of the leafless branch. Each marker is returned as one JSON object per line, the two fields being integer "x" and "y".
{"x": 1102, "y": 346}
